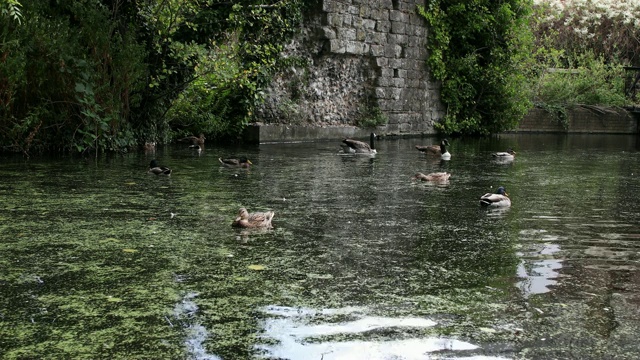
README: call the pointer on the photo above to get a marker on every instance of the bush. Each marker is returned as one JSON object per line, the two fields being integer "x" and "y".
{"x": 479, "y": 50}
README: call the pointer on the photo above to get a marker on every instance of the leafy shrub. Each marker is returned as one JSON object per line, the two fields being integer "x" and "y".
{"x": 479, "y": 50}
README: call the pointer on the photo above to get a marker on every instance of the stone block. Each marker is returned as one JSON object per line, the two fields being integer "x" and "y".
{"x": 412, "y": 83}
{"x": 369, "y": 24}
{"x": 387, "y": 72}
{"x": 346, "y": 20}
{"x": 361, "y": 35}
{"x": 365, "y": 11}
{"x": 382, "y": 61}
{"x": 395, "y": 93}
{"x": 401, "y": 73}
{"x": 398, "y": 27}
{"x": 329, "y": 5}
{"x": 379, "y": 38}
{"x": 395, "y": 15}
{"x": 355, "y": 47}
{"x": 336, "y": 46}
{"x": 380, "y": 14}
{"x": 383, "y": 26}
{"x": 381, "y": 93}
{"x": 347, "y": 34}
{"x": 335, "y": 20}
{"x": 386, "y": 4}
{"x": 327, "y": 33}
{"x": 396, "y": 63}
{"x": 416, "y": 19}
{"x": 392, "y": 51}
{"x": 383, "y": 81}
{"x": 384, "y": 104}
{"x": 398, "y": 82}
{"x": 399, "y": 39}
{"x": 353, "y": 10}
{"x": 377, "y": 50}
{"x": 415, "y": 41}
{"x": 418, "y": 54}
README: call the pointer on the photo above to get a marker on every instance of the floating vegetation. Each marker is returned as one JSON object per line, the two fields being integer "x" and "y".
{"x": 360, "y": 264}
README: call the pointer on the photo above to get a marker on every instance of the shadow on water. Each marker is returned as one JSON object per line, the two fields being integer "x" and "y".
{"x": 102, "y": 260}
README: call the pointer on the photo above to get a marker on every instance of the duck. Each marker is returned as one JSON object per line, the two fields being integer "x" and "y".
{"x": 432, "y": 177}
{"x": 505, "y": 156}
{"x": 436, "y": 149}
{"x": 242, "y": 162}
{"x": 198, "y": 149}
{"x": 154, "y": 168}
{"x": 498, "y": 199}
{"x": 351, "y": 146}
{"x": 149, "y": 147}
{"x": 253, "y": 220}
{"x": 194, "y": 140}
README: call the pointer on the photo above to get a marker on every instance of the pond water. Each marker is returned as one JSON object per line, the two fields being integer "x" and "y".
{"x": 99, "y": 259}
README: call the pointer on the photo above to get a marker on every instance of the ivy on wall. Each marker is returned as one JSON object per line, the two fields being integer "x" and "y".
{"x": 480, "y": 51}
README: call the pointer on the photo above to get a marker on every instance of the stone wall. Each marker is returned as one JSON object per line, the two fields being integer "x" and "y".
{"x": 353, "y": 59}
{"x": 581, "y": 120}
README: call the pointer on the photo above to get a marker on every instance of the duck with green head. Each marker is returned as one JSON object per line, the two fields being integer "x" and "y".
{"x": 498, "y": 199}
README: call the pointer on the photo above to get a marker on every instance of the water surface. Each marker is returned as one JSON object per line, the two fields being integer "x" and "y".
{"x": 99, "y": 259}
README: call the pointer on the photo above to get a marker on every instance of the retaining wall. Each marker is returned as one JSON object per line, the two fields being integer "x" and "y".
{"x": 355, "y": 59}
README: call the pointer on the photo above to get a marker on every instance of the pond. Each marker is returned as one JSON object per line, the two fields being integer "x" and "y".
{"x": 100, "y": 260}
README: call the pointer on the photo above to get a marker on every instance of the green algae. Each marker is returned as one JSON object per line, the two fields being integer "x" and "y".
{"x": 94, "y": 263}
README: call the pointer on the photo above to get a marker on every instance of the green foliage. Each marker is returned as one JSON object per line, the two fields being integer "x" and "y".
{"x": 570, "y": 69}
{"x": 213, "y": 103}
{"x": 587, "y": 81}
{"x": 11, "y": 9}
{"x": 557, "y": 112}
{"x": 479, "y": 50}
{"x": 67, "y": 70}
{"x": 101, "y": 77}
{"x": 230, "y": 74}
{"x": 372, "y": 117}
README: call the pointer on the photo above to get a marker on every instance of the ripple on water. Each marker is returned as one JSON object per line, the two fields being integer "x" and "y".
{"x": 292, "y": 328}
{"x": 538, "y": 270}
{"x": 185, "y": 311}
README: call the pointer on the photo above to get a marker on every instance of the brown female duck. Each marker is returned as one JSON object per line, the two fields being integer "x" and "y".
{"x": 253, "y": 220}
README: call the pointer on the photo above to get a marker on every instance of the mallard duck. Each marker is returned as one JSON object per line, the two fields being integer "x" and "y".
{"x": 504, "y": 156}
{"x": 359, "y": 147}
{"x": 498, "y": 199}
{"x": 253, "y": 220}
{"x": 154, "y": 168}
{"x": 242, "y": 162}
{"x": 436, "y": 149}
{"x": 433, "y": 177}
{"x": 194, "y": 140}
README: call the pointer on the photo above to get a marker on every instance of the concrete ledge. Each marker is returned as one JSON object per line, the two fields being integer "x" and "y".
{"x": 265, "y": 134}
{"x": 273, "y": 134}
